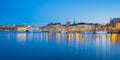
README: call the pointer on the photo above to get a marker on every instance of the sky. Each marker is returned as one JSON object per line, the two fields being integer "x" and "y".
{"x": 42, "y": 12}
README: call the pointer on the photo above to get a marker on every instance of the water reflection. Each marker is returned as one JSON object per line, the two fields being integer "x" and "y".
{"x": 69, "y": 37}
{"x": 21, "y": 37}
{"x": 99, "y": 45}
{"x": 102, "y": 46}
{"x": 58, "y": 36}
{"x": 115, "y": 38}
{"x": 30, "y": 37}
{"x": 47, "y": 37}
{"x": 8, "y": 36}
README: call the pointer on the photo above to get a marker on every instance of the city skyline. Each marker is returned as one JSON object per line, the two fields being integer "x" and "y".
{"x": 42, "y": 12}
{"x": 73, "y": 22}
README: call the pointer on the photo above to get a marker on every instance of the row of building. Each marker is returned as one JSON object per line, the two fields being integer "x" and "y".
{"x": 20, "y": 28}
{"x": 114, "y": 24}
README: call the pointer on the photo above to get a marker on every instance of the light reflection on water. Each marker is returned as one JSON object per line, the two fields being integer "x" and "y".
{"x": 21, "y": 37}
{"x": 77, "y": 45}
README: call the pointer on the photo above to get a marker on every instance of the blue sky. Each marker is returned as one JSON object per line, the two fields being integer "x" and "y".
{"x": 41, "y": 12}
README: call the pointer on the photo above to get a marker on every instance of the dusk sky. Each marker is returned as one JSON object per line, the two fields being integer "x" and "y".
{"x": 41, "y": 12}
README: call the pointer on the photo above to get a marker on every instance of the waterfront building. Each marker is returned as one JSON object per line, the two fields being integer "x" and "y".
{"x": 57, "y": 26}
{"x": 97, "y": 26}
{"x": 74, "y": 28}
{"x": 45, "y": 29}
{"x": 63, "y": 28}
{"x": 54, "y": 26}
{"x": 67, "y": 27}
{"x": 115, "y": 23}
{"x": 82, "y": 26}
{"x": 20, "y": 28}
{"x": 7, "y": 28}
{"x": 49, "y": 26}
{"x": 89, "y": 26}
{"x": 118, "y": 26}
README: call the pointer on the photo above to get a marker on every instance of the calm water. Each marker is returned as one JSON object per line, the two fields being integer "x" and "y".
{"x": 59, "y": 46}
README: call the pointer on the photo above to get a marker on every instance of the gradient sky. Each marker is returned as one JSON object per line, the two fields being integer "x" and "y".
{"x": 41, "y": 12}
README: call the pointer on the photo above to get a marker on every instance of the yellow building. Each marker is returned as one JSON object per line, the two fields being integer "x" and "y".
{"x": 118, "y": 26}
{"x": 21, "y": 28}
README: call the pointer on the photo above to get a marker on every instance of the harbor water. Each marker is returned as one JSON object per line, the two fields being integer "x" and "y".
{"x": 59, "y": 46}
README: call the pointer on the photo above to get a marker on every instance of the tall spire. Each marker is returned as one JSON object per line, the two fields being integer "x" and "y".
{"x": 74, "y": 21}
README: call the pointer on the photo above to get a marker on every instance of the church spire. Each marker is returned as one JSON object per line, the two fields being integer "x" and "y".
{"x": 74, "y": 21}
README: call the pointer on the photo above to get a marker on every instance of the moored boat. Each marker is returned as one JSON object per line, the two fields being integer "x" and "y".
{"x": 114, "y": 32}
{"x": 99, "y": 32}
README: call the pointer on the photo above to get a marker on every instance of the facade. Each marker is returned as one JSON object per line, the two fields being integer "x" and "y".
{"x": 82, "y": 26}
{"x": 7, "y": 28}
{"x": 115, "y": 22}
{"x": 52, "y": 26}
{"x": 45, "y": 28}
{"x": 117, "y": 25}
{"x": 57, "y": 26}
{"x": 20, "y": 28}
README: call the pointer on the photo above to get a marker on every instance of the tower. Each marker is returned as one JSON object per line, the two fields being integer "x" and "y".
{"x": 74, "y": 21}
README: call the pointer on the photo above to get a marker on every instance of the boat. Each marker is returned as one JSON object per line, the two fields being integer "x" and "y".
{"x": 100, "y": 32}
{"x": 63, "y": 31}
{"x": 114, "y": 32}
{"x": 86, "y": 32}
{"x": 53, "y": 31}
{"x": 29, "y": 31}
